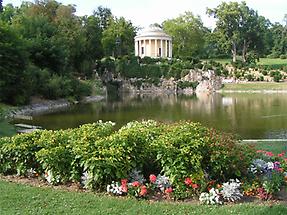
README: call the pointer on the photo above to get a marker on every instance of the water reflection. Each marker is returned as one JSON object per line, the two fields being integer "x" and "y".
{"x": 249, "y": 115}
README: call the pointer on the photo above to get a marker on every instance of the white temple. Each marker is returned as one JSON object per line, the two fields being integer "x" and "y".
{"x": 153, "y": 42}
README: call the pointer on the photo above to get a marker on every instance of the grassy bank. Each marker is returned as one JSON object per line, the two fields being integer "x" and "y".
{"x": 24, "y": 199}
{"x": 5, "y": 128}
{"x": 275, "y": 147}
{"x": 262, "y": 61}
{"x": 255, "y": 86}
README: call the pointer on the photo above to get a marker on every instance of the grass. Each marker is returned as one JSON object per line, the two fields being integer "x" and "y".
{"x": 254, "y": 86}
{"x": 262, "y": 61}
{"x": 272, "y": 146}
{"x": 5, "y": 128}
{"x": 24, "y": 199}
{"x": 274, "y": 61}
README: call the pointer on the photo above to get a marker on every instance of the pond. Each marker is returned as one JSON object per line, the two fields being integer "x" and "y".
{"x": 250, "y": 115}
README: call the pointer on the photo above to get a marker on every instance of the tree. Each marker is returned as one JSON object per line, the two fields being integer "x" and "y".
{"x": 118, "y": 38}
{"x": 239, "y": 27}
{"x": 104, "y": 15}
{"x": 187, "y": 32}
{"x": 1, "y": 6}
{"x": 279, "y": 37}
{"x": 13, "y": 61}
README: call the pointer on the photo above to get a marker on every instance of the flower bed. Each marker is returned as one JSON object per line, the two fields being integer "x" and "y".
{"x": 145, "y": 159}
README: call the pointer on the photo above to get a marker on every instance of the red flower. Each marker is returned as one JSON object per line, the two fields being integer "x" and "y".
{"x": 124, "y": 181}
{"x": 280, "y": 170}
{"x": 281, "y": 154}
{"x": 188, "y": 181}
{"x": 143, "y": 191}
{"x": 270, "y": 154}
{"x": 124, "y": 188}
{"x": 152, "y": 178}
{"x": 136, "y": 184}
{"x": 195, "y": 186}
{"x": 168, "y": 190}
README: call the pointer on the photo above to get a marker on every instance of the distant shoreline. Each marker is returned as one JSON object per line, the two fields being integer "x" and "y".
{"x": 48, "y": 106}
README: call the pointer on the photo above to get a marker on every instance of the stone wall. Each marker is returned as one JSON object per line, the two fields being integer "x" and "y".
{"x": 208, "y": 82}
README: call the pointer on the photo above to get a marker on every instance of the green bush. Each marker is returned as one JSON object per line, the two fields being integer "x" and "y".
{"x": 177, "y": 150}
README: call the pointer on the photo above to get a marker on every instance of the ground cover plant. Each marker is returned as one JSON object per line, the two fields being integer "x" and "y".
{"x": 147, "y": 159}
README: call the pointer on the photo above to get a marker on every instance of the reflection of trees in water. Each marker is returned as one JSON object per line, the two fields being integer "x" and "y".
{"x": 251, "y": 115}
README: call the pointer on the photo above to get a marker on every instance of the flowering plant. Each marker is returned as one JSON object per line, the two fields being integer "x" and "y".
{"x": 230, "y": 190}
{"x": 210, "y": 198}
{"x": 115, "y": 188}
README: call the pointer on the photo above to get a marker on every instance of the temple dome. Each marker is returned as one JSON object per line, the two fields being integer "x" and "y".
{"x": 153, "y": 31}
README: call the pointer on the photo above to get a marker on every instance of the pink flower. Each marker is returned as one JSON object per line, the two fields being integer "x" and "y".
{"x": 143, "y": 191}
{"x": 168, "y": 190}
{"x": 124, "y": 188}
{"x": 270, "y": 154}
{"x": 195, "y": 186}
{"x": 152, "y": 178}
{"x": 259, "y": 151}
{"x": 280, "y": 170}
{"x": 124, "y": 181}
{"x": 188, "y": 181}
{"x": 136, "y": 184}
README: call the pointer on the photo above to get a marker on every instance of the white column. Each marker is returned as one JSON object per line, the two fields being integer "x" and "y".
{"x": 149, "y": 42}
{"x": 139, "y": 45}
{"x": 144, "y": 54}
{"x": 161, "y": 51}
{"x": 155, "y": 48}
{"x": 170, "y": 49}
{"x": 136, "y": 48}
{"x": 166, "y": 49}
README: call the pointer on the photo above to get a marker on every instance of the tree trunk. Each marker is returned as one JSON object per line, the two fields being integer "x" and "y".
{"x": 244, "y": 51}
{"x": 233, "y": 51}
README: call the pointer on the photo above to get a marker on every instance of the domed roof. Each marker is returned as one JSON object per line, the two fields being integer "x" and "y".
{"x": 153, "y": 31}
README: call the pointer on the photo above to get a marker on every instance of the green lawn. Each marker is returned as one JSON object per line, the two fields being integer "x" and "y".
{"x": 276, "y": 147}
{"x": 24, "y": 199}
{"x": 262, "y": 61}
{"x": 5, "y": 128}
{"x": 268, "y": 61}
{"x": 254, "y": 86}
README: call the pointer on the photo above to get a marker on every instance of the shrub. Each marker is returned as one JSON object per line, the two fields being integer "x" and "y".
{"x": 100, "y": 155}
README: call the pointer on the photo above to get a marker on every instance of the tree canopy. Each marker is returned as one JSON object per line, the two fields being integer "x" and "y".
{"x": 188, "y": 33}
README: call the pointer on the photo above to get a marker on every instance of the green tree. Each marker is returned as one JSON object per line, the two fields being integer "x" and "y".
{"x": 118, "y": 38}
{"x": 104, "y": 15}
{"x": 239, "y": 27}
{"x": 13, "y": 60}
{"x": 187, "y": 32}
{"x": 1, "y": 6}
{"x": 279, "y": 37}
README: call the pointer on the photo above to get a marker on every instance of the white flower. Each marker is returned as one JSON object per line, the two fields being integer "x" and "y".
{"x": 211, "y": 198}
{"x": 136, "y": 175}
{"x": 162, "y": 182}
{"x": 115, "y": 188}
{"x": 231, "y": 190}
{"x": 85, "y": 178}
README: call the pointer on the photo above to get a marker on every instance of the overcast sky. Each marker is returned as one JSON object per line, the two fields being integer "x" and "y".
{"x": 142, "y": 13}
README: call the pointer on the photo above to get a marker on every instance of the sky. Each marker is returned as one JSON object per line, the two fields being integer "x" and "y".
{"x": 142, "y": 13}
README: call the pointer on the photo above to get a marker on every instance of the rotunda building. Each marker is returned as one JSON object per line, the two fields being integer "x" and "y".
{"x": 153, "y": 42}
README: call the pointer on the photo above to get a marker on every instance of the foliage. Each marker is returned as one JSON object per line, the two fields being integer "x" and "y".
{"x": 12, "y": 67}
{"x": 239, "y": 26}
{"x": 118, "y": 37}
{"x": 186, "y": 84}
{"x": 188, "y": 33}
{"x": 95, "y": 156}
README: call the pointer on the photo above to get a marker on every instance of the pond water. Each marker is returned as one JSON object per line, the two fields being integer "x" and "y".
{"x": 250, "y": 115}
